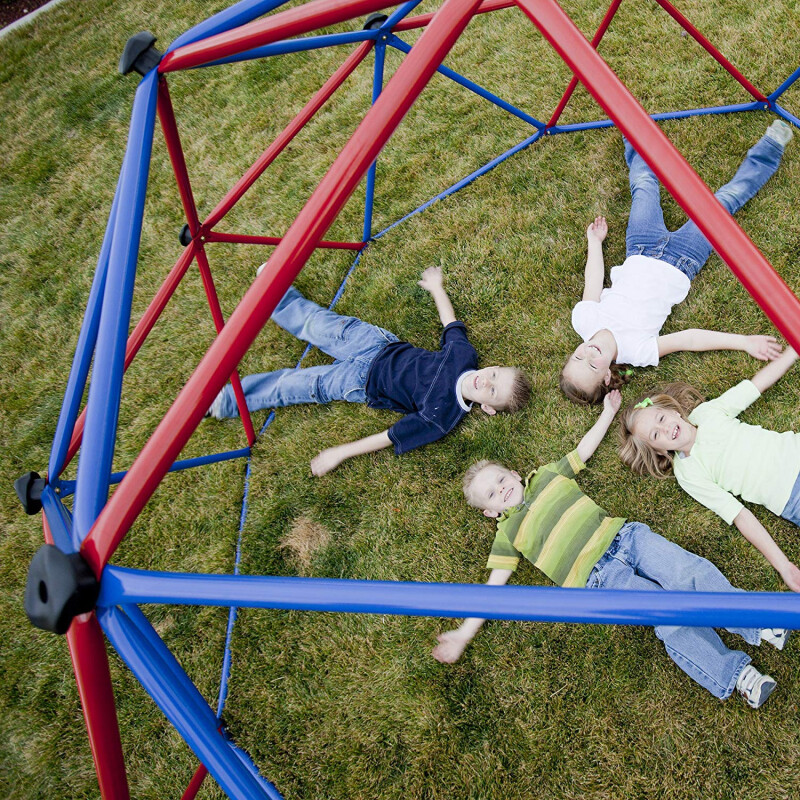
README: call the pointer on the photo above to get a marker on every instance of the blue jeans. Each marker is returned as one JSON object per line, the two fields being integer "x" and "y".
{"x": 791, "y": 510}
{"x": 687, "y": 248}
{"x": 639, "y": 559}
{"x": 353, "y": 343}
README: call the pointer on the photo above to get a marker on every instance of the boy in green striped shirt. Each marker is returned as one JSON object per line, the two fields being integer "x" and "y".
{"x": 549, "y": 521}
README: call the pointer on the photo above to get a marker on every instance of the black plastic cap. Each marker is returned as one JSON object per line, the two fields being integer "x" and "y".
{"x": 139, "y": 54}
{"x": 60, "y": 586}
{"x": 374, "y": 21}
{"x": 29, "y": 490}
{"x": 185, "y": 236}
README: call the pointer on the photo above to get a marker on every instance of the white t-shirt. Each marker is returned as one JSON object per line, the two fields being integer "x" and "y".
{"x": 642, "y": 293}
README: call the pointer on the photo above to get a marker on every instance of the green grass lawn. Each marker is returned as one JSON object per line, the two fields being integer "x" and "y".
{"x": 333, "y": 706}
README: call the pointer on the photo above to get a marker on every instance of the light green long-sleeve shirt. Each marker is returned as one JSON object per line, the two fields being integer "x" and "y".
{"x": 731, "y": 458}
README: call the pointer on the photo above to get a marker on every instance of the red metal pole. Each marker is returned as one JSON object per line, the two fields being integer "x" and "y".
{"x": 308, "y": 17}
{"x": 265, "y": 293}
{"x": 140, "y": 333}
{"x": 596, "y": 39}
{"x": 237, "y": 238}
{"x": 219, "y": 322}
{"x": 90, "y": 662}
{"x": 422, "y": 20}
{"x": 195, "y": 783}
{"x": 166, "y": 115}
{"x": 682, "y": 182}
{"x": 703, "y": 42}
{"x": 288, "y": 133}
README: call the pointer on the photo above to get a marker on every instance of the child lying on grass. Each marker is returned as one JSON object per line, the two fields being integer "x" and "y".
{"x": 714, "y": 456}
{"x": 434, "y": 390}
{"x": 622, "y": 324}
{"x": 550, "y": 522}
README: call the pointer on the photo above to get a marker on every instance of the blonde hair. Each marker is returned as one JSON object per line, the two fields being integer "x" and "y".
{"x": 471, "y": 474}
{"x": 639, "y": 454}
{"x": 519, "y": 395}
{"x": 620, "y": 375}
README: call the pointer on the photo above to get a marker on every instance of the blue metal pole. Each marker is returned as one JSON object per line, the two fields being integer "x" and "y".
{"x": 399, "y": 13}
{"x": 784, "y": 86}
{"x": 67, "y": 487}
{"x": 239, "y": 14}
{"x": 99, "y": 438}
{"x": 377, "y": 88}
{"x": 782, "y": 112}
{"x": 696, "y": 112}
{"x": 466, "y": 181}
{"x": 176, "y": 701}
{"x": 87, "y": 338}
{"x": 549, "y": 604}
{"x": 59, "y": 521}
{"x": 295, "y": 46}
{"x": 473, "y": 87}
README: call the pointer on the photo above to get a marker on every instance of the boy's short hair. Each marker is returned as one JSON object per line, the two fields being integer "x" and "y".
{"x": 520, "y": 393}
{"x": 471, "y": 474}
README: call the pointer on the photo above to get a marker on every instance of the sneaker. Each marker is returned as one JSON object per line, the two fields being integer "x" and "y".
{"x": 780, "y": 132}
{"x": 215, "y": 408}
{"x": 258, "y": 271}
{"x": 775, "y": 636}
{"x": 754, "y": 687}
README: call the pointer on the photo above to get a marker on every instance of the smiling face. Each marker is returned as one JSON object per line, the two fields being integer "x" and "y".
{"x": 590, "y": 365}
{"x": 491, "y": 387}
{"x": 495, "y": 489}
{"x": 664, "y": 430}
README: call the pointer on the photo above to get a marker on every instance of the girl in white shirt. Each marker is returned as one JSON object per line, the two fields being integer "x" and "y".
{"x": 622, "y": 324}
{"x": 714, "y": 456}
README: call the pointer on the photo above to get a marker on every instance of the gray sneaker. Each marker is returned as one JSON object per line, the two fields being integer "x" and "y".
{"x": 215, "y": 408}
{"x": 780, "y": 132}
{"x": 775, "y": 636}
{"x": 755, "y": 687}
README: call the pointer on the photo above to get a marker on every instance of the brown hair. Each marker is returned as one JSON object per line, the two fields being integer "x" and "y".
{"x": 471, "y": 474}
{"x": 620, "y": 375}
{"x": 520, "y": 393}
{"x": 638, "y": 454}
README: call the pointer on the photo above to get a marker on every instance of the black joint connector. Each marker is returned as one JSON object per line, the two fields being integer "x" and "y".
{"x": 185, "y": 236}
{"x": 139, "y": 54}
{"x": 60, "y": 586}
{"x": 374, "y": 21}
{"x": 29, "y": 489}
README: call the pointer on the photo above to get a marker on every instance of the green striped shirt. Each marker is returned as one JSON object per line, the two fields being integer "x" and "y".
{"x": 557, "y": 527}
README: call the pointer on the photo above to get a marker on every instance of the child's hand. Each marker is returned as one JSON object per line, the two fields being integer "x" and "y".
{"x": 764, "y": 348}
{"x": 612, "y": 401}
{"x": 791, "y": 577}
{"x": 451, "y": 646}
{"x": 326, "y": 461}
{"x": 597, "y": 230}
{"x": 431, "y": 279}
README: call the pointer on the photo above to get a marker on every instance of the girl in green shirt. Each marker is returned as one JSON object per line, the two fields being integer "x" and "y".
{"x": 715, "y": 457}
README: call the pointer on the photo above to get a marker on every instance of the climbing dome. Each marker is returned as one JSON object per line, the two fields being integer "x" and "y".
{"x": 74, "y": 589}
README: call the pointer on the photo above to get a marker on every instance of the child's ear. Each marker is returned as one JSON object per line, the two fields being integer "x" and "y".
{"x": 488, "y": 410}
{"x": 489, "y": 513}
{"x": 607, "y": 379}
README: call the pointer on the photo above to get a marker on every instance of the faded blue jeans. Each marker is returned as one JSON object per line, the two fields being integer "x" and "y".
{"x": 687, "y": 248}
{"x": 639, "y": 559}
{"x": 353, "y": 343}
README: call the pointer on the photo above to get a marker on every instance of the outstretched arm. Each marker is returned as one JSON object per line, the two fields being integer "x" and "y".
{"x": 764, "y": 348}
{"x": 757, "y": 535}
{"x": 331, "y": 458}
{"x": 769, "y": 375}
{"x": 453, "y": 643}
{"x": 595, "y": 272}
{"x": 432, "y": 281}
{"x": 591, "y": 441}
